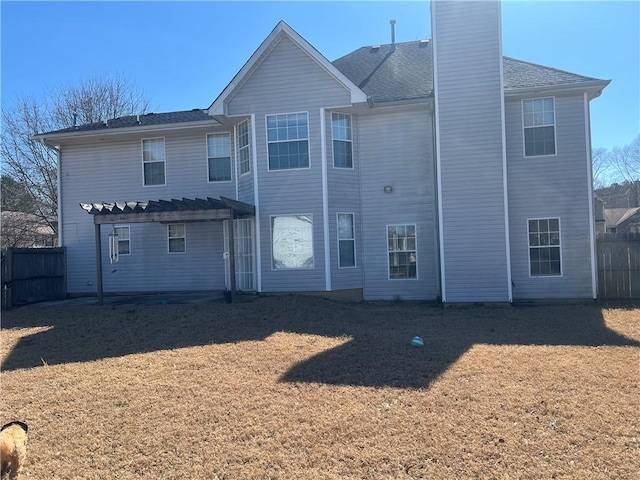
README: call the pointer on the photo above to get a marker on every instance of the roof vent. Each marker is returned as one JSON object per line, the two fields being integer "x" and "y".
{"x": 375, "y": 48}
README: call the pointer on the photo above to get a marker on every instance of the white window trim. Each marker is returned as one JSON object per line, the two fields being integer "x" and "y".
{"x": 386, "y": 247}
{"x": 247, "y": 147}
{"x": 170, "y": 238}
{"x": 271, "y": 217}
{"x": 333, "y": 153}
{"x": 555, "y": 129}
{"x": 353, "y": 217}
{"x": 231, "y": 152}
{"x": 128, "y": 227}
{"x": 164, "y": 162}
{"x": 544, "y": 246}
{"x": 266, "y": 136}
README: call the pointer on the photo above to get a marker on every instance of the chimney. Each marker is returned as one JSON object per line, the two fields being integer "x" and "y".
{"x": 393, "y": 31}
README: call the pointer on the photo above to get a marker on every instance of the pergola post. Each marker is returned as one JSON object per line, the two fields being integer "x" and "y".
{"x": 99, "y": 263}
{"x": 232, "y": 256}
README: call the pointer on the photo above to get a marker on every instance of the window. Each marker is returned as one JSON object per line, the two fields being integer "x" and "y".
{"x": 177, "y": 238}
{"x": 153, "y": 161}
{"x": 124, "y": 240}
{"x": 346, "y": 241}
{"x": 288, "y": 141}
{"x": 244, "y": 157}
{"x": 544, "y": 247}
{"x": 292, "y": 242}
{"x": 539, "y": 127}
{"x": 401, "y": 245}
{"x": 219, "y": 157}
{"x": 342, "y": 144}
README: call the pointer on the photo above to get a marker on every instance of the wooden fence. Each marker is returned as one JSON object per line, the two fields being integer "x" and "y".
{"x": 618, "y": 257}
{"x": 33, "y": 275}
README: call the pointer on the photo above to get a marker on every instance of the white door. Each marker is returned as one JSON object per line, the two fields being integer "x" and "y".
{"x": 244, "y": 246}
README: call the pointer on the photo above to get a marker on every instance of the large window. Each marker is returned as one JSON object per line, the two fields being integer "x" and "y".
{"x": 124, "y": 239}
{"x": 177, "y": 238}
{"x": 544, "y": 247}
{"x": 346, "y": 241}
{"x": 244, "y": 157}
{"x": 401, "y": 245}
{"x": 539, "y": 127}
{"x": 288, "y": 141}
{"x": 342, "y": 141}
{"x": 219, "y": 157}
{"x": 292, "y": 242}
{"x": 153, "y": 161}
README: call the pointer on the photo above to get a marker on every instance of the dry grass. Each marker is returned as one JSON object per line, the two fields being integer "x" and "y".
{"x": 293, "y": 387}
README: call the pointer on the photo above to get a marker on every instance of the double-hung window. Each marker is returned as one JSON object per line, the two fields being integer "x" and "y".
{"x": 153, "y": 161}
{"x": 346, "y": 241}
{"x": 244, "y": 157}
{"x": 342, "y": 140}
{"x": 288, "y": 141}
{"x": 177, "y": 238}
{"x": 219, "y": 157}
{"x": 539, "y": 127}
{"x": 124, "y": 239}
{"x": 544, "y": 247}
{"x": 401, "y": 246}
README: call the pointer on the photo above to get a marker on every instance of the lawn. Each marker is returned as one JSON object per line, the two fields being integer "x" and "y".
{"x": 305, "y": 388}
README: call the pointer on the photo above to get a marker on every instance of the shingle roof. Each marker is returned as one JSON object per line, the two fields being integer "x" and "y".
{"x": 405, "y": 72}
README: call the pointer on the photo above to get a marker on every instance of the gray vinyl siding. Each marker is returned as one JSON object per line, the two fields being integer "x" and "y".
{"x": 396, "y": 149}
{"x": 107, "y": 172}
{"x": 289, "y": 81}
{"x": 554, "y": 186}
{"x": 471, "y": 154}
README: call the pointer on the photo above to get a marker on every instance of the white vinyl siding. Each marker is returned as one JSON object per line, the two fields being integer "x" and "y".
{"x": 219, "y": 157}
{"x": 346, "y": 240}
{"x": 545, "y": 257}
{"x": 538, "y": 119}
{"x": 153, "y": 162}
{"x": 342, "y": 140}
{"x": 124, "y": 239}
{"x": 403, "y": 252}
{"x": 288, "y": 141}
{"x": 244, "y": 151}
{"x": 292, "y": 242}
{"x": 176, "y": 238}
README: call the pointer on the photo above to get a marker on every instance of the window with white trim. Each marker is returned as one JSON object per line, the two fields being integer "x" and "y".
{"x": 292, "y": 242}
{"x": 177, "y": 237}
{"x": 544, "y": 247}
{"x": 219, "y": 157}
{"x": 346, "y": 240}
{"x": 539, "y": 125}
{"x": 342, "y": 140}
{"x": 124, "y": 239}
{"x": 244, "y": 152}
{"x": 153, "y": 161}
{"x": 288, "y": 141}
{"x": 401, "y": 246}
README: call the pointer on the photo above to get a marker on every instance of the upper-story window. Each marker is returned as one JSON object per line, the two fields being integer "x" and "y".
{"x": 219, "y": 157}
{"x": 244, "y": 157}
{"x": 153, "y": 161}
{"x": 342, "y": 141}
{"x": 539, "y": 127}
{"x": 288, "y": 141}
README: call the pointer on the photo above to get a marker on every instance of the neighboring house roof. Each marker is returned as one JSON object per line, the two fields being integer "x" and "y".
{"x": 617, "y": 216}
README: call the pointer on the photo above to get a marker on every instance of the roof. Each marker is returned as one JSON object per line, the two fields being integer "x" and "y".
{"x": 404, "y": 71}
{"x": 616, "y": 216}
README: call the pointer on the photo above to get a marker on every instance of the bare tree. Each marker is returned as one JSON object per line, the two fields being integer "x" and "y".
{"x": 626, "y": 161}
{"x": 601, "y": 161}
{"x": 34, "y": 164}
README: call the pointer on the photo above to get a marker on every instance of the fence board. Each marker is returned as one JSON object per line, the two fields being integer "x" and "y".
{"x": 618, "y": 257}
{"x": 33, "y": 275}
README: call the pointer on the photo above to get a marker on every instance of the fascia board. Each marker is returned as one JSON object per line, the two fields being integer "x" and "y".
{"x": 593, "y": 88}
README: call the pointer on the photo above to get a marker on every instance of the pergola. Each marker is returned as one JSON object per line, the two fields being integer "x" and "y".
{"x": 168, "y": 211}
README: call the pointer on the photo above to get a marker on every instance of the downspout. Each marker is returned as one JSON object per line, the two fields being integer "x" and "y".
{"x": 256, "y": 203}
{"x": 325, "y": 201}
{"x": 592, "y": 223}
{"x": 436, "y": 217}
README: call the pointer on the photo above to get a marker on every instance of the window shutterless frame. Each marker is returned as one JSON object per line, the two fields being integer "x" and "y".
{"x": 538, "y": 126}
{"x": 154, "y": 171}
{"x": 243, "y": 156}
{"x": 544, "y": 245}
{"x": 342, "y": 140}
{"x": 346, "y": 233}
{"x": 176, "y": 238}
{"x": 124, "y": 239}
{"x": 402, "y": 251}
{"x": 292, "y": 246}
{"x": 287, "y": 137}
{"x": 219, "y": 158}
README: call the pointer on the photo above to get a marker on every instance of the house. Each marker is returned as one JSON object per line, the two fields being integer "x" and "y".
{"x": 428, "y": 170}
{"x": 622, "y": 220}
{"x": 26, "y": 230}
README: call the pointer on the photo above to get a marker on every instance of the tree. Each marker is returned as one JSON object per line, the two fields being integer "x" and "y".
{"x": 33, "y": 164}
{"x": 601, "y": 166}
{"x": 14, "y": 196}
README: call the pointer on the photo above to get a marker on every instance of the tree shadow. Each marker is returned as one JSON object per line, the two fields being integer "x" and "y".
{"x": 378, "y": 353}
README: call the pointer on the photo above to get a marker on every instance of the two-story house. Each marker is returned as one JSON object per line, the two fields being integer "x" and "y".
{"x": 426, "y": 170}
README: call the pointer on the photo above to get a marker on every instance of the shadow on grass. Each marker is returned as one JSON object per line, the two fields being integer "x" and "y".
{"x": 378, "y": 354}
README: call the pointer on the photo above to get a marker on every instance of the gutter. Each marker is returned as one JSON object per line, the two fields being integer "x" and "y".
{"x": 595, "y": 88}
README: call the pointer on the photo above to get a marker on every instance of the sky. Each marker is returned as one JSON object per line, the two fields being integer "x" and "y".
{"x": 183, "y": 54}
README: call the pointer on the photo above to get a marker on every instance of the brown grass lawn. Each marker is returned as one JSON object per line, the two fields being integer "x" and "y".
{"x": 305, "y": 388}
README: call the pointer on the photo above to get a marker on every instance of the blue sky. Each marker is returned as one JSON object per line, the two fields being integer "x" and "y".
{"x": 182, "y": 54}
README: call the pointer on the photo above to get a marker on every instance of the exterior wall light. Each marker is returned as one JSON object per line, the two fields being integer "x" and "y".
{"x": 388, "y": 189}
